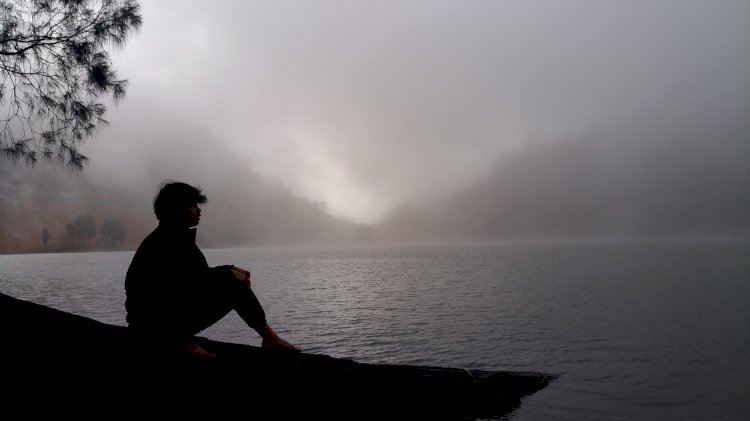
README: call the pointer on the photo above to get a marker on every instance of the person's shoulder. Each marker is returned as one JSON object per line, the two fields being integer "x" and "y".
{"x": 151, "y": 240}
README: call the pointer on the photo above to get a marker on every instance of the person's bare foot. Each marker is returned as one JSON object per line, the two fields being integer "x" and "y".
{"x": 195, "y": 350}
{"x": 276, "y": 343}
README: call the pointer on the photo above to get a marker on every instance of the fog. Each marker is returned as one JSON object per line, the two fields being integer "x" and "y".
{"x": 374, "y": 110}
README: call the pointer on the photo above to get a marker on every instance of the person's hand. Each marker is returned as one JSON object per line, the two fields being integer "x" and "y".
{"x": 242, "y": 276}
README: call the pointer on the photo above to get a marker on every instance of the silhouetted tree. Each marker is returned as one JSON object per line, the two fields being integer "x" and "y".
{"x": 80, "y": 231}
{"x": 85, "y": 228}
{"x": 112, "y": 232}
{"x": 54, "y": 67}
{"x": 70, "y": 235}
{"x": 45, "y": 238}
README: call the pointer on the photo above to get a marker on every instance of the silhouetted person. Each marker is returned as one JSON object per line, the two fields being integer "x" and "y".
{"x": 172, "y": 293}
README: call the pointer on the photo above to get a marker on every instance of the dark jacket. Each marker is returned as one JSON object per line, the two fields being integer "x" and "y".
{"x": 166, "y": 282}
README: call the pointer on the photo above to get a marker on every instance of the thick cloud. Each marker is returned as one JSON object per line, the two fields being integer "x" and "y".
{"x": 368, "y": 105}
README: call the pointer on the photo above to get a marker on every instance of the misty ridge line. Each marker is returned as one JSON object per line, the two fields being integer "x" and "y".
{"x": 668, "y": 186}
{"x": 581, "y": 189}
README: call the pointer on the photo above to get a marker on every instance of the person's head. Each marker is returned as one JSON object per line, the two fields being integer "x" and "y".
{"x": 177, "y": 203}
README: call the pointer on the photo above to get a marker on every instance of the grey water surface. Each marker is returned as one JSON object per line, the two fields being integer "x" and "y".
{"x": 636, "y": 329}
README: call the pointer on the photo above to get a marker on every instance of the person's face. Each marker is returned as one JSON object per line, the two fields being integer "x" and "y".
{"x": 192, "y": 215}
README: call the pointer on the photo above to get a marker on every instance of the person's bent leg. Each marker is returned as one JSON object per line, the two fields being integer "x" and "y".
{"x": 206, "y": 307}
{"x": 228, "y": 294}
{"x": 252, "y": 313}
{"x": 246, "y": 304}
{"x": 209, "y": 306}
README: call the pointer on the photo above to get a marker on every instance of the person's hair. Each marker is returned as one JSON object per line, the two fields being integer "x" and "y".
{"x": 173, "y": 197}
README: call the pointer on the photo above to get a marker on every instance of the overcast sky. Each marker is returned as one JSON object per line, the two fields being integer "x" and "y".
{"x": 370, "y": 104}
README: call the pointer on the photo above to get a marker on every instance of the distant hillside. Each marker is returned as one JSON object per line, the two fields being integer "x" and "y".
{"x": 44, "y": 197}
{"x": 638, "y": 187}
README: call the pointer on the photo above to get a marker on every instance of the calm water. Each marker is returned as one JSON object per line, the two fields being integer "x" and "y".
{"x": 649, "y": 330}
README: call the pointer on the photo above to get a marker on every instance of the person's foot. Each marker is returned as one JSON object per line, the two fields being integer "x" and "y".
{"x": 276, "y": 343}
{"x": 195, "y": 350}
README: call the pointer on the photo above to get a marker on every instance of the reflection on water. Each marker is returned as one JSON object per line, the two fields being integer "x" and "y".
{"x": 638, "y": 330}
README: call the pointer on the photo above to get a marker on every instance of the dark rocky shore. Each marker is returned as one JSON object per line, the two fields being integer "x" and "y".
{"x": 61, "y": 365}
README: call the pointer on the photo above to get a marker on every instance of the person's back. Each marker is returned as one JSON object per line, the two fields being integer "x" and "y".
{"x": 165, "y": 266}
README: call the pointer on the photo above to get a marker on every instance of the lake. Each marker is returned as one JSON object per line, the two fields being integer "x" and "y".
{"x": 636, "y": 329}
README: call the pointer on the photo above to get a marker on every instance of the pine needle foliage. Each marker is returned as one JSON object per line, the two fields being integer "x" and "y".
{"x": 55, "y": 68}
